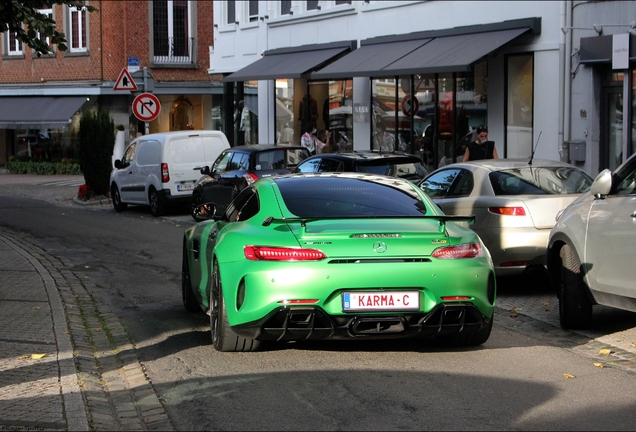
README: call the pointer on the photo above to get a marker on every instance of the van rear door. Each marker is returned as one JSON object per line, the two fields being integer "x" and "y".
{"x": 213, "y": 147}
{"x": 183, "y": 154}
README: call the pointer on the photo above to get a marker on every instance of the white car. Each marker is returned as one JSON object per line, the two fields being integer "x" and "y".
{"x": 591, "y": 257}
{"x": 159, "y": 170}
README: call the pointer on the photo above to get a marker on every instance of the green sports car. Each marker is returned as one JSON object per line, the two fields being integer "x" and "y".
{"x": 340, "y": 256}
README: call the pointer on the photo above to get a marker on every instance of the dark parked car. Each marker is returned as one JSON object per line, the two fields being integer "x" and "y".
{"x": 238, "y": 167}
{"x": 396, "y": 164}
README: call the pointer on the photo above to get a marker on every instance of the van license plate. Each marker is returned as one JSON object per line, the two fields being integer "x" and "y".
{"x": 381, "y": 301}
{"x": 184, "y": 187}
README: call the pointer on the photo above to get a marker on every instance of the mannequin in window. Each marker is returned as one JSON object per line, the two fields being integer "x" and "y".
{"x": 245, "y": 127}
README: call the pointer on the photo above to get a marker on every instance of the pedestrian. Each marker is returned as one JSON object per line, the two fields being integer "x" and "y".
{"x": 313, "y": 144}
{"x": 481, "y": 148}
{"x": 383, "y": 141}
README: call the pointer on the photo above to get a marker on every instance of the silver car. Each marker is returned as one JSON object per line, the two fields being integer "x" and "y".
{"x": 591, "y": 257}
{"x": 515, "y": 203}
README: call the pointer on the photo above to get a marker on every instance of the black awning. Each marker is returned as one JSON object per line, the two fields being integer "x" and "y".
{"x": 291, "y": 62}
{"x": 368, "y": 59}
{"x": 38, "y": 112}
{"x": 451, "y": 53}
{"x": 450, "y": 50}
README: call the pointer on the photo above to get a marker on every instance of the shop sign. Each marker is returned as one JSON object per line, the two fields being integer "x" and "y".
{"x": 361, "y": 113}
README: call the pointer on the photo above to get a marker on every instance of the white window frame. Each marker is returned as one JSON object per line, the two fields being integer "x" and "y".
{"x": 49, "y": 13}
{"x": 15, "y": 48}
{"x": 83, "y": 36}
{"x": 178, "y": 59}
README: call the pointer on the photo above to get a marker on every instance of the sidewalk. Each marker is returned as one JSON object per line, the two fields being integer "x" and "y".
{"x": 67, "y": 362}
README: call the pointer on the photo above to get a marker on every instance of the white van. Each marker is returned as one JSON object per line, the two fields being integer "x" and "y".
{"x": 160, "y": 169}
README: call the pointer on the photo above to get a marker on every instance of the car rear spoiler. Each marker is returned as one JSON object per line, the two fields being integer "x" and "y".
{"x": 441, "y": 218}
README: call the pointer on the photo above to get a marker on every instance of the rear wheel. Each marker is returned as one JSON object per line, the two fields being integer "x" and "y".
{"x": 575, "y": 306}
{"x": 189, "y": 301}
{"x": 223, "y": 337}
{"x": 157, "y": 207}
{"x": 116, "y": 197}
{"x": 469, "y": 339}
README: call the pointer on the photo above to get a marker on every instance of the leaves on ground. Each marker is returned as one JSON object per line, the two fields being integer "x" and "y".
{"x": 37, "y": 356}
{"x": 605, "y": 352}
{"x": 514, "y": 315}
{"x": 36, "y": 307}
{"x": 599, "y": 365}
{"x": 568, "y": 376}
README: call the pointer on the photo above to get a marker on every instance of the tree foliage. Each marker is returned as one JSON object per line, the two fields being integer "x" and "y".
{"x": 31, "y": 27}
{"x": 96, "y": 141}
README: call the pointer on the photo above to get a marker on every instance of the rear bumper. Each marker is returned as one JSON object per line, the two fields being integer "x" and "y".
{"x": 508, "y": 246}
{"x": 170, "y": 199}
{"x": 312, "y": 323}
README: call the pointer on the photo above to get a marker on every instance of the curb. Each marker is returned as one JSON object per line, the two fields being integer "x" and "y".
{"x": 108, "y": 388}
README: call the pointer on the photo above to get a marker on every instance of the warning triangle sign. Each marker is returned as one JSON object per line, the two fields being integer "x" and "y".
{"x": 125, "y": 81}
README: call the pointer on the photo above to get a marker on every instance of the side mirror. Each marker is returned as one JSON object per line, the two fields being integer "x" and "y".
{"x": 118, "y": 164}
{"x": 204, "y": 212}
{"x": 205, "y": 170}
{"x": 602, "y": 184}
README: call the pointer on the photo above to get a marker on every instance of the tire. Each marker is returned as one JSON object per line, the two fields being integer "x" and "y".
{"x": 469, "y": 339}
{"x": 157, "y": 207}
{"x": 223, "y": 337}
{"x": 189, "y": 301}
{"x": 575, "y": 306}
{"x": 116, "y": 197}
{"x": 195, "y": 201}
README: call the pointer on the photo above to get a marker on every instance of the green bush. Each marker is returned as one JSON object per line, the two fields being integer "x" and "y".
{"x": 43, "y": 168}
{"x": 96, "y": 141}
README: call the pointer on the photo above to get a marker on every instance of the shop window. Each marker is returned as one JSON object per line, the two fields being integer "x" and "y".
{"x": 182, "y": 115}
{"x": 519, "y": 105}
{"x": 77, "y": 29}
{"x": 632, "y": 132}
{"x": 312, "y": 5}
{"x": 287, "y": 132}
{"x": 172, "y": 24}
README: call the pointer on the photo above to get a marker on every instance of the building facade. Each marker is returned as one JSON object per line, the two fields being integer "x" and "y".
{"x": 429, "y": 71}
{"x": 163, "y": 44}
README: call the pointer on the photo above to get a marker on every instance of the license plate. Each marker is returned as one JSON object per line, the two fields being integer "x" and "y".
{"x": 381, "y": 301}
{"x": 185, "y": 187}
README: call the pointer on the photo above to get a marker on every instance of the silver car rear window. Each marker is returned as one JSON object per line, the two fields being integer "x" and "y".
{"x": 540, "y": 181}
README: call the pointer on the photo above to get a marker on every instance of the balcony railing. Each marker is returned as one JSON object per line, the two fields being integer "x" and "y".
{"x": 174, "y": 50}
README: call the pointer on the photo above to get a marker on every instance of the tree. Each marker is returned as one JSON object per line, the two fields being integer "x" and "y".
{"x": 15, "y": 14}
{"x": 96, "y": 138}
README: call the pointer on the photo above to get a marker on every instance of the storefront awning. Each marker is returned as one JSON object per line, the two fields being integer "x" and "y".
{"x": 451, "y": 50}
{"x": 38, "y": 112}
{"x": 291, "y": 62}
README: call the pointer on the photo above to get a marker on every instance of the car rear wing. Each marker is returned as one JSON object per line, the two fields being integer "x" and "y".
{"x": 443, "y": 219}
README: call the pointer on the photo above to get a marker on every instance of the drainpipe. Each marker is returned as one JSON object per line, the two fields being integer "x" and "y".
{"x": 567, "y": 78}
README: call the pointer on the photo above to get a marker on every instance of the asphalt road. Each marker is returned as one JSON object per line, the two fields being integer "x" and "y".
{"x": 514, "y": 381}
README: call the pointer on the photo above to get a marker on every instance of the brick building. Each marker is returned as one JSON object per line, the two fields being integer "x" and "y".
{"x": 41, "y": 98}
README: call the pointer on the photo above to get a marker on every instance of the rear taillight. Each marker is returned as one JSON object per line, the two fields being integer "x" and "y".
{"x": 268, "y": 253}
{"x": 508, "y": 211}
{"x": 470, "y": 250}
{"x": 250, "y": 177}
{"x": 165, "y": 175}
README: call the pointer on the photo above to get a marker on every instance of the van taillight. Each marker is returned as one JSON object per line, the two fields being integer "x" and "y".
{"x": 165, "y": 175}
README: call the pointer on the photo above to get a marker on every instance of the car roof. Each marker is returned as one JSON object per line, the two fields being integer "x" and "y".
{"x": 367, "y": 155}
{"x": 502, "y": 164}
{"x": 251, "y": 148}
